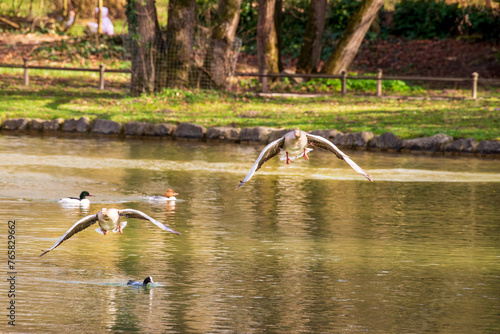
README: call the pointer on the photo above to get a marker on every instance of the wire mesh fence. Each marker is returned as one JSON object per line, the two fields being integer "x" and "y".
{"x": 198, "y": 77}
{"x": 149, "y": 65}
{"x": 169, "y": 66}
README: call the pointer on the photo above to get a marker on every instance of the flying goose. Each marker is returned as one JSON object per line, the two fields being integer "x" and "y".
{"x": 295, "y": 143}
{"x": 109, "y": 220}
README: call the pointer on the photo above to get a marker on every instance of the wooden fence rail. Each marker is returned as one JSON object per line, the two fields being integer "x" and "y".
{"x": 102, "y": 69}
{"x": 473, "y": 79}
{"x": 344, "y": 76}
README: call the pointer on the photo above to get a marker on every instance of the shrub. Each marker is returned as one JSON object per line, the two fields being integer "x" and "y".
{"x": 428, "y": 19}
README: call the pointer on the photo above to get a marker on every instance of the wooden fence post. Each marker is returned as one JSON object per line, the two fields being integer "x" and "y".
{"x": 264, "y": 82}
{"x": 475, "y": 76}
{"x": 101, "y": 76}
{"x": 26, "y": 74}
{"x": 344, "y": 82}
{"x": 379, "y": 82}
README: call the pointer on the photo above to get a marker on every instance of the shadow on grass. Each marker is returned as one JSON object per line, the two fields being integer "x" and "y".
{"x": 68, "y": 87}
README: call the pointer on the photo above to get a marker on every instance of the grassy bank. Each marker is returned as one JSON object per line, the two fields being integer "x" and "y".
{"x": 479, "y": 119}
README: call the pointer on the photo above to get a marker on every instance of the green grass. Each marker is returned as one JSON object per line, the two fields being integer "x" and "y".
{"x": 52, "y": 98}
{"x": 321, "y": 85}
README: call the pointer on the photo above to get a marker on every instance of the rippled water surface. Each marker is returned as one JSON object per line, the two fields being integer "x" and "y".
{"x": 311, "y": 247}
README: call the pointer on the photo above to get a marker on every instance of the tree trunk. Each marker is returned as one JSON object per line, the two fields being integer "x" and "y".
{"x": 277, "y": 25}
{"x": 99, "y": 18}
{"x": 65, "y": 8}
{"x": 310, "y": 50}
{"x": 180, "y": 39}
{"x": 143, "y": 23}
{"x": 348, "y": 45}
{"x": 267, "y": 38}
{"x": 218, "y": 62}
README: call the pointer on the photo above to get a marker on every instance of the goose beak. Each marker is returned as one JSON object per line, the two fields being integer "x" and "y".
{"x": 297, "y": 134}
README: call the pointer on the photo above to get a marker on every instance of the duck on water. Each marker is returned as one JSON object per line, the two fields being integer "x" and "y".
{"x": 147, "y": 280}
{"x": 81, "y": 201}
{"x": 169, "y": 195}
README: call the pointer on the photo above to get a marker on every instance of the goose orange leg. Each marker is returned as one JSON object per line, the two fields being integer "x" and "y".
{"x": 287, "y": 159}
{"x": 305, "y": 155}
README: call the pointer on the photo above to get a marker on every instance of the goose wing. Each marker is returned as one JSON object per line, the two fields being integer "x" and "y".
{"x": 77, "y": 227}
{"x": 325, "y": 144}
{"x": 131, "y": 213}
{"x": 267, "y": 153}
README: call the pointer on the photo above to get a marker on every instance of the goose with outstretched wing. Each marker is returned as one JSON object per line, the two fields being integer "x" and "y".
{"x": 109, "y": 220}
{"x": 295, "y": 144}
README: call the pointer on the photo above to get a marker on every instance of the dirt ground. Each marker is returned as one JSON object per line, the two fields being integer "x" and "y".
{"x": 441, "y": 58}
{"x": 445, "y": 58}
{"x": 13, "y": 47}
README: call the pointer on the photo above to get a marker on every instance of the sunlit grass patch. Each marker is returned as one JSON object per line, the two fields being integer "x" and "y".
{"x": 51, "y": 98}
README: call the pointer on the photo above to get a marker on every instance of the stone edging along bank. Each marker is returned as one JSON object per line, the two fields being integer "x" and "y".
{"x": 361, "y": 140}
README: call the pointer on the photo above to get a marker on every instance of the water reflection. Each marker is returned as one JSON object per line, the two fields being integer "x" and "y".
{"x": 310, "y": 247}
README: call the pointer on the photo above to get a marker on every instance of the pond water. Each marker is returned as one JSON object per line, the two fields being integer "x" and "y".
{"x": 310, "y": 247}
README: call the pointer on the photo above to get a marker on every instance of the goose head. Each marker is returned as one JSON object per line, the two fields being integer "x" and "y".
{"x": 111, "y": 214}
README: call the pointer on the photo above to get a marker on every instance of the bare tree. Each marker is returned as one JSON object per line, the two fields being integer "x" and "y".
{"x": 268, "y": 52}
{"x": 310, "y": 50}
{"x": 348, "y": 45}
{"x": 217, "y": 64}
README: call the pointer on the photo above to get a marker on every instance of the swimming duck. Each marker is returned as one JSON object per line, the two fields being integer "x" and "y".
{"x": 109, "y": 220}
{"x": 146, "y": 281}
{"x": 77, "y": 201}
{"x": 168, "y": 196}
{"x": 295, "y": 143}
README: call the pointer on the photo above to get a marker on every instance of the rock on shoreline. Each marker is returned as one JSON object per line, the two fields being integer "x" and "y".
{"x": 259, "y": 134}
